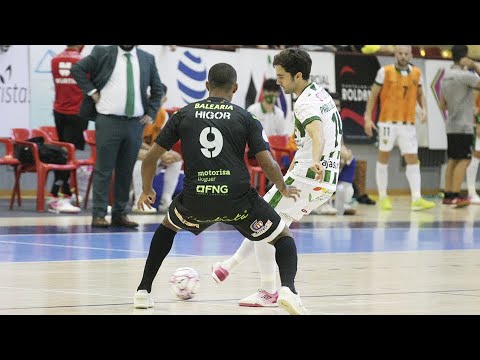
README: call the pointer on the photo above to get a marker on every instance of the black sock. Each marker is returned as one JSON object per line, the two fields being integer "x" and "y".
{"x": 160, "y": 246}
{"x": 286, "y": 257}
{"x": 55, "y": 189}
{"x": 66, "y": 189}
{"x": 449, "y": 195}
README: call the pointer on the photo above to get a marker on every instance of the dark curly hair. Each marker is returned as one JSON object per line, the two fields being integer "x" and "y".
{"x": 294, "y": 60}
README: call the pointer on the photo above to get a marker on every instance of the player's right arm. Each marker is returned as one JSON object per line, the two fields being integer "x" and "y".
{"x": 149, "y": 167}
{"x": 372, "y": 99}
{"x": 167, "y": 137}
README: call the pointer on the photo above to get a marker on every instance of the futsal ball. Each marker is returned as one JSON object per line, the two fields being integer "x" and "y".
{"x": 184, "y": 283}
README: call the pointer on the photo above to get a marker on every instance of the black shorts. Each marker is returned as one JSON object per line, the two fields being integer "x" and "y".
{"x": 257, "y": 222}
{"x": 70, "y": 129}
{"x": 459, "y": 146}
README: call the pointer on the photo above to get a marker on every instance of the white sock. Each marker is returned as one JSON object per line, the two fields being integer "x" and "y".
{"x": 170, "y": 181}
{"x": 137, "y": 180}
{"x": 381, "y": 175}
{"x": 243, "y": 252}
{"x": 472, "y": 176}
{"x": 267, "y": 265}
{"x": 413, "y": 177}
{"x": 348, "y": 191}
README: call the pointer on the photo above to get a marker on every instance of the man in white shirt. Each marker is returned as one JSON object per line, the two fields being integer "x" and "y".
{"x": 269, "y": 114}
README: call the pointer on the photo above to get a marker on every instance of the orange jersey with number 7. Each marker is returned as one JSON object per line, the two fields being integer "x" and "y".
{"x": 398, "y": 97}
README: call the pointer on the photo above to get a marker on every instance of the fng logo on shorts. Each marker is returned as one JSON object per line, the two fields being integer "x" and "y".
{"x": 258, "y": 228}
{"x": 212, "y": 189}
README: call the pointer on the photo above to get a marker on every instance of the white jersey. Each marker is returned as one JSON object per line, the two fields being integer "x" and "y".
{"x": 316, "y": 104}
{"x": 273, "y": 123}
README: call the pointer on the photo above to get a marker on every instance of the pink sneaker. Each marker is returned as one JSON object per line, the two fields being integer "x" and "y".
{"x": 261, "y": 298}
{"x": 219, "y": 274}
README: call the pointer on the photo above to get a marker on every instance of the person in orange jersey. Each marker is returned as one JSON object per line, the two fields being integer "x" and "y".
{"x": 398, "y": 87}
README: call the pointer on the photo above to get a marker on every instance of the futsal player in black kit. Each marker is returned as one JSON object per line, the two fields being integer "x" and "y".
{"x": 214, "y": 134}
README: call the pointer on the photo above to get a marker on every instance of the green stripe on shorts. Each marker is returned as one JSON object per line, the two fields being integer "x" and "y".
{"x": 278, "y": 195}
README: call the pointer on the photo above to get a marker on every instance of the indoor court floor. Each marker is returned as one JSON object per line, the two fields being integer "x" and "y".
{"x": 376, "y": 262}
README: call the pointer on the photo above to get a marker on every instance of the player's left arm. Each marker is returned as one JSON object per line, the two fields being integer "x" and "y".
{"x": 315, "y": 131}
{"x": 421, "y": 100}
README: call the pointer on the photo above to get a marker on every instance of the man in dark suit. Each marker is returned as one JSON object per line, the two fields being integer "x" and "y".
{"x": 115, "y": 80}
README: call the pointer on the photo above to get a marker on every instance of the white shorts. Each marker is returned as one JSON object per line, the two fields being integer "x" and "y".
{"x": 402, "y": 135}
{"x": 313, "y": 194}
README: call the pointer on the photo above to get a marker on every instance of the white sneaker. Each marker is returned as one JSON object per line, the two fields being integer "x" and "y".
{"x": 142, "y": 300}
{"x": 73, "y": 199}
{"x": 145, "y": 210}
{"x": 162, "y": 209}
{"x": 62, "y": 206}
{"x": 290, "y": 302}
{"x": 474, "y": 200}
{"x": 261, "y": 298}
{"x": 325, "y": 209}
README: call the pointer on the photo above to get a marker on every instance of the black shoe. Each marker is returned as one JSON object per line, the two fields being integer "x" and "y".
{"x": 122, "y": 220}
{"x": 99, "y": 221}
{"x": 364, "y": 199}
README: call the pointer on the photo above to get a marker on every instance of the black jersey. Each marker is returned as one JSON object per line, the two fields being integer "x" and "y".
{"x": 214, "y": 134}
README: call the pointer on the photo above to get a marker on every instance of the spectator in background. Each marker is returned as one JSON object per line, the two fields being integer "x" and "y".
{"x": 171, "y": 161}
{"x": 68, "y": 122}
{"x": 456, "y": 97}
{"x": 472, "y": 169}
{"x": 398, "y": 87}
{"x": 115, "y": 79}
{"x": 270, "y": 115}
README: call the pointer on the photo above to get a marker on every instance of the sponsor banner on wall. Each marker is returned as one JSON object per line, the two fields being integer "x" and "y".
{"x": 323, "y": 70}
{"x": 43, "y": 90}
{"x": 355, "y": 75}
{"x": 437, "y": 134}
{"x": 185, "y": 71}
{"x": 14, "y": 89}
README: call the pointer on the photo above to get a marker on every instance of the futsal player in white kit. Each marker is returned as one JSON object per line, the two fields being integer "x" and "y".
{"x": 314, "y": 169}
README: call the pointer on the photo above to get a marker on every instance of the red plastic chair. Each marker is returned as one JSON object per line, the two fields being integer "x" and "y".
{"x": 20, "y": 135}
{"x": 51, "y": 131}
{"x": 9, "y": 157}
{"x": 256, "y": 172}
{"x": 89, "y": 136}
{"x": 279, "y": 143}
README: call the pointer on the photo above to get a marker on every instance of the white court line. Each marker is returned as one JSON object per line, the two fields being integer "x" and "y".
{"x": 107, "y": 233}
{"x": 86, "y": 248}
{"x": 64, "y": 292}
{"x": 71, "y": 246}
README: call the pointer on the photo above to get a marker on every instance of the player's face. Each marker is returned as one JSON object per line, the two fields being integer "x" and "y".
{"x": 403, "y": 54}
{"x": 285, "y": 80}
